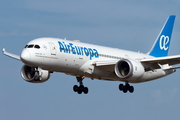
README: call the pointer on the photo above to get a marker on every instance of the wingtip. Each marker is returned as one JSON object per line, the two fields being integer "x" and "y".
{"x": 3, "y": 50}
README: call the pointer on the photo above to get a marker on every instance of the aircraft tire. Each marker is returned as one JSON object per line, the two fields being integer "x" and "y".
{"x": 121, "y": 87}
{"x": 79, "y": 91}
{"x": 131, "y": 89}
{"x": 75, "y": 88}
{"x": 125, "y": 90}
{"x": 85, "y": 90}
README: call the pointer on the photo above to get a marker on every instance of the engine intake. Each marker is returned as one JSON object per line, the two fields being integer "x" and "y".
{"x": 129, "y": 69}
{"x": 34, "y": 75}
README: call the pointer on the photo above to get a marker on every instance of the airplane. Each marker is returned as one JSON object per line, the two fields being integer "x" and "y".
{"x": 43, "y": 56}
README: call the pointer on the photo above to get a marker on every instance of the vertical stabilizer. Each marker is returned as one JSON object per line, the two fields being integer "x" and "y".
{"x": 162, "y": 43}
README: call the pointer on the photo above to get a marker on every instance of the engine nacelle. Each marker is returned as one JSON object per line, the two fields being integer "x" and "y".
{"x": 129, "y": 69}
{"x": 34, "y": 75}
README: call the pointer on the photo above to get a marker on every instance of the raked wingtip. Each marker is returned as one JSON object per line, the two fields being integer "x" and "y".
{"x": 3, "y": 50}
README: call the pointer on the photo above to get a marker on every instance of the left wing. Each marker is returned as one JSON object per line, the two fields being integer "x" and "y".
{"x": 10, "y": 54}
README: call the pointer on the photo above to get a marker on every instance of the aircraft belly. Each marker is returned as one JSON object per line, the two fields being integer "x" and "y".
{"x": 152, "y": 75}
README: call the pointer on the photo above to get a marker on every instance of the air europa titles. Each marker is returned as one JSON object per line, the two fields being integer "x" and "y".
{"x": 72, "y": 49}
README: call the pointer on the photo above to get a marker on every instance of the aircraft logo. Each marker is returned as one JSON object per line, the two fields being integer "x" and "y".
{"x": 163, "y": 43}
{"x": 70, "y": 48}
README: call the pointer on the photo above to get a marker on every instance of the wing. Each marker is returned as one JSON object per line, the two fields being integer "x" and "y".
{"x": 107, "y": 65}
{"x": 162, "y": 62}
{"x": 10, "y": 54}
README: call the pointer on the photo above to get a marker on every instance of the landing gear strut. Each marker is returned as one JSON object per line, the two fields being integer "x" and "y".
{"x": 79, "y": 89}
{"x": 126, "y": 88}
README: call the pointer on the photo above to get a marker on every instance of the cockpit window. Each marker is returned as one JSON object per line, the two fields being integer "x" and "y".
{"x": 30, "y": 46}
{"x": 26, "y": 46}
{"x": 37, "y": 46}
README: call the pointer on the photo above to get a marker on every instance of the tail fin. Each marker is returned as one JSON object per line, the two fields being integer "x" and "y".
{"x": 162, "y": 43}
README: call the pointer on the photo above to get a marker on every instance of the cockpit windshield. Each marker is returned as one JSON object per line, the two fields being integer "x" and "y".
{"x": 32, "y": 46}
{"x": 36, "y": 46}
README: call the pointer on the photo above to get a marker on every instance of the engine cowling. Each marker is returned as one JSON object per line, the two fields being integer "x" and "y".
{"x": 129, "y": 69}
{"x": 34, "y": 75}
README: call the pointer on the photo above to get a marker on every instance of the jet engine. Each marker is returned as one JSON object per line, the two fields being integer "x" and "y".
{"x": 129, "y": 69}
{"x": 34, "y": 75}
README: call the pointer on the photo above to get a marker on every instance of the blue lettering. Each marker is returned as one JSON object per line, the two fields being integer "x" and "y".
{"x": 66, "y": 48}
{"x": 96, "y": 53}
{"x": 82, "y": 50}
{"x": 86, "y": 51}
{"x": 91, "y": 53}
{"x": 61, "y": 46}
{"x": 73, "y": 49}
{"x": 76, "y": 50}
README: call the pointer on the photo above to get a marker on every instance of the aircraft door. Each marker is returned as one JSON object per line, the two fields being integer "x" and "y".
{"x": 53, "y": 48}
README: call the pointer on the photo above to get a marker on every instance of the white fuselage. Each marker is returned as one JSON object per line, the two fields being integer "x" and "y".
{"x": 79, "y": 59}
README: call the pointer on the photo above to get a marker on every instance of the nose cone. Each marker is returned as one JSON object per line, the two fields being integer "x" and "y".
{"x": 25, "y": 56}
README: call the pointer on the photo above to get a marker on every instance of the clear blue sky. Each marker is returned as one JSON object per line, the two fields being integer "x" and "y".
{"x": 126, "y": 24}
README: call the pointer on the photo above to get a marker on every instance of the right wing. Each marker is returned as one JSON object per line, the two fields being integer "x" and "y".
{"x": 10, "y": 54}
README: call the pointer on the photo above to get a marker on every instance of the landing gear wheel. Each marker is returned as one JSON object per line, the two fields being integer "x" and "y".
{"x": 79, "y": 89}
{"x": 126, "y": 88}
{"x": 131, "y": 89}
{"x": 121, "y": 87}
{"x": 85, "y": 90}
{"x": 75, "y": 88}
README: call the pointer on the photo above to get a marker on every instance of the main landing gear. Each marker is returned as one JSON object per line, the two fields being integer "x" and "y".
{"x": 79, "y": 89}
{"x": 126, "y": 88}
